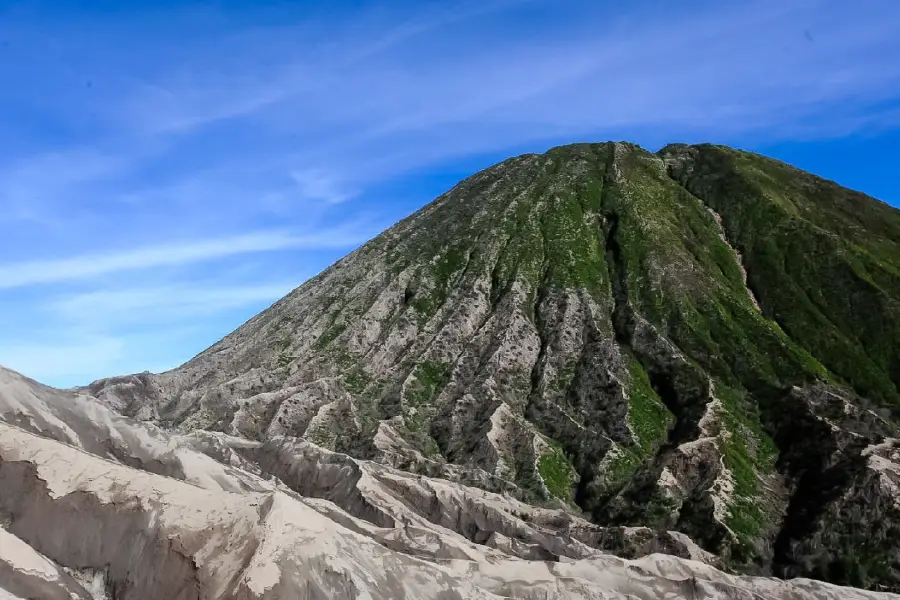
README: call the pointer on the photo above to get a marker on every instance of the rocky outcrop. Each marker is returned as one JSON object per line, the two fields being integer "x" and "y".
{"x": 300, "y": 521}
{"x": 24, "y": 573}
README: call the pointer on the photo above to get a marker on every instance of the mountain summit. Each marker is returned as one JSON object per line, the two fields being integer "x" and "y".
{"x": 700, "y": 340}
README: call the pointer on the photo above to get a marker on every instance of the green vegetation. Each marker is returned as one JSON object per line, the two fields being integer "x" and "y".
{"x": 574, "y": 252}
{"x": 620, "y": 469}
{"x": 440, "y": 274}
{"x": 323, "y": 438}
{"x": 647, "y": 415}
{"x": 522, "y": 252}
{"x": 430, "y": 377}
{"x": 822, "y": 259}
{"x": 557, "y": 473}
{"x": 649, "y": 420}
{"x": 329, "y": 335}
{"x": 749, "y": 455}
{"x": 355, "y": 380}
{"x": 659, "y": 510}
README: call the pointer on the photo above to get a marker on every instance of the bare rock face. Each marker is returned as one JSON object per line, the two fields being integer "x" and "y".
{"x": 24, "y": 573}
{"x": 289, "y": 519}
{"x": 597, "y": 349}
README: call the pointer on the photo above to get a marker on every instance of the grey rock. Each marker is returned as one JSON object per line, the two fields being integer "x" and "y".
{"x": 305, "y": 522}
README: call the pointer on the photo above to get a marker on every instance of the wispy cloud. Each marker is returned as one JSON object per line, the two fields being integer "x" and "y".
{"x": 315, "y": 184}
{"x": 77, "y": 337}
{"x": 93, "y": 265}
{"x": 245, "y": 76}
{"x": 733, "y": 70}
{"x": 27, "y": 184}
{"x": 110, "y": 307}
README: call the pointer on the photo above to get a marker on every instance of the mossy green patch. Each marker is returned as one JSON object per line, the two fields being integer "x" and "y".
{"x": 619, "y": 469}
{"x": 438, "y": 276}
{"x": 558, "y": 473}
{"x": 648, "y": 416}
{"x": 323, "y": 438}
{"x": 522, "y": 252}
{"x": 356, "y": 380}
{"x": 574, "y": 251}
{"x": 749, "y": 455}
{"x": 329, "y": 335}
{"x": 823, "y": 260}
{"x": 430, "y": 378}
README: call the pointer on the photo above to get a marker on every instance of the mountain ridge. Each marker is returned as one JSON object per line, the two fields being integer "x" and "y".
{"x": 636, "y": 336}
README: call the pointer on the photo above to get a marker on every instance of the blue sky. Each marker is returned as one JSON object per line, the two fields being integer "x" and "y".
{"x": 168, "y": 169}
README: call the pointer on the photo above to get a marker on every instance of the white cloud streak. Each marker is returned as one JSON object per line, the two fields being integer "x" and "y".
{"x": 166, "y": 302}
{"x": 93, "y": 265}
{"x": 372, "y": 101}
{"x": 734, "y": 70}
{"x": 315, "y": 184}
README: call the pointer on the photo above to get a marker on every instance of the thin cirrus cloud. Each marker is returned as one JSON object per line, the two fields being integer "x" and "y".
{"x": 163, "y": 302}
{"x": 316, "y": 184}
{"x": 94, "y": 265}
{"x": 738, "y": 70}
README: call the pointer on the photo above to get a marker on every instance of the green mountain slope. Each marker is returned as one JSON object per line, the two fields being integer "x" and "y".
{"x": 823, "y": 259}
{"x": 699, "y": 340}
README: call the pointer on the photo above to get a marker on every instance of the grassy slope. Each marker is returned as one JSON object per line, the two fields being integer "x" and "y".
{"x": 824, "y": 261}
{"x": 686, "y": 280}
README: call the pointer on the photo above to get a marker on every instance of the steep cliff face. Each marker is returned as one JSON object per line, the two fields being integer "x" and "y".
{"x": 699, "y": 340}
